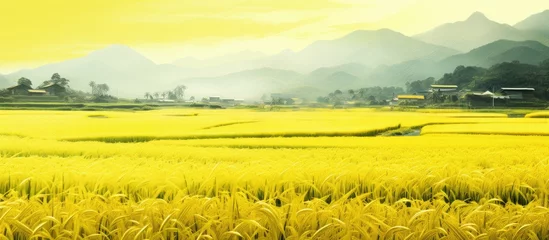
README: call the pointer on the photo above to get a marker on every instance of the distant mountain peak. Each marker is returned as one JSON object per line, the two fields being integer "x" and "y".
{"x": 477, "y": 16}
{"x": 120, "y": 55}
{"x": 536, "y": 22}
{"x": 116, "y": 49}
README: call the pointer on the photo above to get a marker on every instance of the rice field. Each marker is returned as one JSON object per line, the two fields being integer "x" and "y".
{"x": 241, "y": 174}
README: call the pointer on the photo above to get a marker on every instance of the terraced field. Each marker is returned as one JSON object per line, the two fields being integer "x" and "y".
{"x": 240, "y": 174}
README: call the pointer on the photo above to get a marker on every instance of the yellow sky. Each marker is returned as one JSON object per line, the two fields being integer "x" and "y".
{"x": 34, "y": 32}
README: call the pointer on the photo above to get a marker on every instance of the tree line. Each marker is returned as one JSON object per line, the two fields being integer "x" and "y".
{"x": 178, "y": 93}
{"x": 369, "y": 95}
{"x": 506, "y": 74}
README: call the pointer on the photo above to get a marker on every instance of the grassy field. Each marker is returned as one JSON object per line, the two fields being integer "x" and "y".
{"x": 241, "y": 174}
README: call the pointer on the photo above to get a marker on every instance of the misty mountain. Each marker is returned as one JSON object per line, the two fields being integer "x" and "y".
{"x": 536, "y": 23}
{"x": 241, "y": 61}
{"x": 530, "y": 52}
{"x": 369, "y": 48}
{"x": 127, "y": 72}
{"x": 355, "y": 69}
{"x": 338, "y": 80}
{"x": 399, "y": 74}
{"x": 4, "y": 82}
{"x": 476, "y": 31}
{"x": 250, "y": 84}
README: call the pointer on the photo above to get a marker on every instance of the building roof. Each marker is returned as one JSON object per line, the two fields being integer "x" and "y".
{"x": 444, "y": 86}
{"x": 416, "y": 97}
{"x": 50, "y": 85}
{"x": 37, "y": 91}
{"x": 18, "y": 85}
{"x": 517, "y": 89}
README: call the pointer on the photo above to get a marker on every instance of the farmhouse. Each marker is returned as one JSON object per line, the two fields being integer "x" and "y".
{"x": 53, "y": 89}
{"x": 215, "y": 99}
{"x": 445, "y": 89}
{"x": 227, "y": 100}
{"x": 20, "y": 89}
{"x": 518, "y": 93}
{"x": 238, "y": 101}
{"x": 409, "y": 98}
{"x": 37, "y": 92}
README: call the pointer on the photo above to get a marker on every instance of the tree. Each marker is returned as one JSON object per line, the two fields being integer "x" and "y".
{"x": 24, "y": 81}
{"x": 171, "y": 95}
{"x": 148, "y": 96}
{"x": 351, "y": 93}
{"x": 192, "y": 98}
{"x": 156, "y": 95}
{"x": 102, "y": 89}
{"x": 93, "y": 85}
{"x": 179, "y": 91}
{"x": 57, "y": 79}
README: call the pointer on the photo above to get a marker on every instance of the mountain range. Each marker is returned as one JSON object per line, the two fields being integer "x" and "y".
{"x": 536, "y": 23}
{"x": 476, "y": 31}
{"x": 358, "y": 59}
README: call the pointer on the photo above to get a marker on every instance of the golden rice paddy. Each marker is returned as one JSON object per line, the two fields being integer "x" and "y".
{"x": 241, "y": 174}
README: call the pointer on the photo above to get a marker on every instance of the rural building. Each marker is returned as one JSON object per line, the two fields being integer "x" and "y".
{"x": 411, "y": 97}
{"x": 518, "y": 93}
{"x": 238, "y": 101}
{"x": 37, "y": 92}
{"x": 413, "y": 100}
{"x": 425, "y": 93}
{"x": 445, "y": 89}
{"x": 53, "y": 89}
{"x": 215, "y": 99}
{"x": 227, "y": 100}
{"x": 20, "y": 89}
{"x": 280, "y": 98}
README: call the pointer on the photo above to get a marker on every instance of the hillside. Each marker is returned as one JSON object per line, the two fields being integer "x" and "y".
{"x": 4, "y": 82}
{"x": 369, "y": 48}
{"x": 399, "y": 74}
{"x": 476, "y": 31}
{"x": 127, "y": 72}
{"x": 536, "y": 23}
{"x": 355, "y": 69}
{"x": 531, "y": 52}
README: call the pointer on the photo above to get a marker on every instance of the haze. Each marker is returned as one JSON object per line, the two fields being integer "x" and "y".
{"x": 38, "y": 32}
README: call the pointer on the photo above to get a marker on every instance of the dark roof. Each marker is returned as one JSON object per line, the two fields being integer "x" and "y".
{"x": 19, "y": 85}
{"x": 50, "y": 85}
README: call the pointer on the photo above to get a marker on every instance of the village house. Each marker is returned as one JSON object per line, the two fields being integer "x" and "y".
{"x": 37, "y": 92}
{"x": 445, "y": 89}
{"x": 53, "y": 89}
{"x": 215, "y": 99}
{"x": 238, "y": 101}
{"x": 410, "y": 98}
{"x": 518, "y": 93}
{"x": 20, "y": 89}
